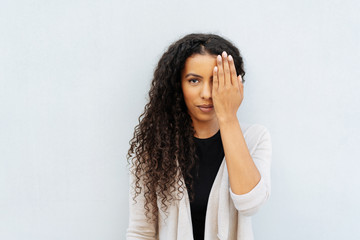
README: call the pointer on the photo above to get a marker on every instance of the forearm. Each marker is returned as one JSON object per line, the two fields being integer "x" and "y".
{"x": 243, "y": 173}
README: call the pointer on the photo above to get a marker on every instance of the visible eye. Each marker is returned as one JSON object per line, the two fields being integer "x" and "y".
{"x": 193, "y": 81}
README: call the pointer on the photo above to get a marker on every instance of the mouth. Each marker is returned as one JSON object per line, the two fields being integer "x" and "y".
{"x": 206, "y": 108}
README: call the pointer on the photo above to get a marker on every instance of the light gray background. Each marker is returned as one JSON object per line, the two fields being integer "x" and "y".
{"x": 75, "y": 76}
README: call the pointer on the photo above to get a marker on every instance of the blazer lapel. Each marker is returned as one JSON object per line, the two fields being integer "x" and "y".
{"x": 224, "y": 198}
{"x": 217, "y": 209}
{"x": 184, "y": 230}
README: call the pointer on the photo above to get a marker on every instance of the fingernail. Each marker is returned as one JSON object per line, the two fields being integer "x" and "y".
{"x": 219, "y": 58}
{"x": 215, "y": 68}
{"x": 224, "y": 54}
{"x": 230, "y": 58}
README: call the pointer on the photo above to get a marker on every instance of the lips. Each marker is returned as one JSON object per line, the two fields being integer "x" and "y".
{"x": 206, "y": 108}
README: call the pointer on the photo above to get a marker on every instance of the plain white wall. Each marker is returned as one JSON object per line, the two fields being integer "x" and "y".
{"x": 74, "y": 77}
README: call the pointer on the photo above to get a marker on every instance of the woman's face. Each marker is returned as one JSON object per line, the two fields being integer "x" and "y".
{"x": 196, "y": 83}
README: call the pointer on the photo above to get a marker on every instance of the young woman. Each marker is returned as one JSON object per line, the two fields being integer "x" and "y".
{"x": 196, "y": 172}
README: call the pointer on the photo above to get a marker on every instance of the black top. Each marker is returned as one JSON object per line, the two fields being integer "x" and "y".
{"x": 211, "y": 153}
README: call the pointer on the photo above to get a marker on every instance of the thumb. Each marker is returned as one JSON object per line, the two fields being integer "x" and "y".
{"x": 240, "y": 81}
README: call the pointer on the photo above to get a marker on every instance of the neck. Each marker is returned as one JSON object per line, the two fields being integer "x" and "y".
{"x": 205, "y": 129}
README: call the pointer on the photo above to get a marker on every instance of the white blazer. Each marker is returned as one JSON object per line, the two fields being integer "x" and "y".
{"x": 228, "y": 215}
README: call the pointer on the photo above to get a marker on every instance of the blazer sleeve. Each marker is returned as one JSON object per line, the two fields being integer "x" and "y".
{"x": 139, "y": 227}
{"x": 261, "y": 150}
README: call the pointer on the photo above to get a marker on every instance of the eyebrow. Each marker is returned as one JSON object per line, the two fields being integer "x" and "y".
{"x": 193, "y": 74}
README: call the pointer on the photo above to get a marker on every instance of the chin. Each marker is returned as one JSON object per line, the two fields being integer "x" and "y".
{"x": 202, "y": 117}
{"x": 205, "y": 118}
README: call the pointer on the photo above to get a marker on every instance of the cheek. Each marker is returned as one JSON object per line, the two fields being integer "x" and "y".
{"x": 189, "y": 94}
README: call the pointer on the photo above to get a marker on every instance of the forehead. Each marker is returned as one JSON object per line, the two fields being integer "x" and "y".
{"x": 198, "y": 63}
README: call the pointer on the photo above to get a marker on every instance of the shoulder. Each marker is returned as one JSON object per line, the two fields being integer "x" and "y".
{"x": 255, "y": 134}
{"x": 253, "y": 129}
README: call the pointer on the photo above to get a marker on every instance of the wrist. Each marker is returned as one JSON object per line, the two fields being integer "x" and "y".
{"x": 228, "y": 120}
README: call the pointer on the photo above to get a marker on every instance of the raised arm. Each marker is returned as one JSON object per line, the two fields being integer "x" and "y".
{"x": 249, "y": 187}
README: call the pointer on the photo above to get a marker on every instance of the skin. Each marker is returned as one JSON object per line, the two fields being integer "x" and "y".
{"x": 197, "y": 89}
{"x": 213, "y": 93}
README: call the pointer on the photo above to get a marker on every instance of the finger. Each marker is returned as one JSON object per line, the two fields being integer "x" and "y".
{"x": 233, "y": 72}
{"x": 227, "y": 75}
{"x": 241, "y": 86}
{"x": 215, "y": 78}
{"x": 220, "y": 71}
{"x": 240, "y": 79}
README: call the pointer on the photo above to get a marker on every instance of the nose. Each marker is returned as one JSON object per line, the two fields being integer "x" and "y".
{"x": 206, "y": 91}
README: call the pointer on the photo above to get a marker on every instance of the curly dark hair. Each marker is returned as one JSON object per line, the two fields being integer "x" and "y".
{"x": 162, "y": 149}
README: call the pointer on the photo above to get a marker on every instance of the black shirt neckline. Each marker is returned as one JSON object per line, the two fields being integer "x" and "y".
{"x": 214, "y": 137}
